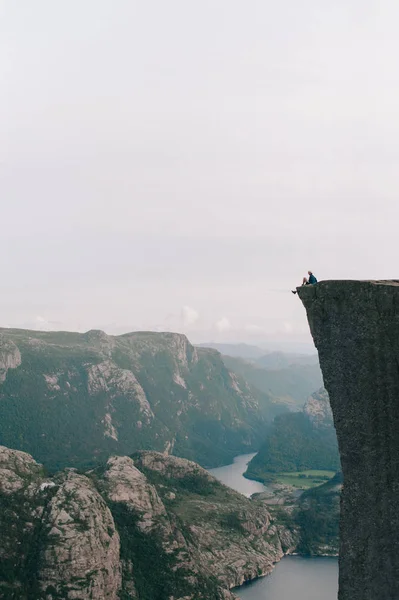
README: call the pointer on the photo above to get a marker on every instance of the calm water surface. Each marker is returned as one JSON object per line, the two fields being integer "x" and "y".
{"x": 231, "y": 475}
{"x": 295, "y": 577}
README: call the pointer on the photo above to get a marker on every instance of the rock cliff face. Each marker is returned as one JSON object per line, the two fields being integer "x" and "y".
{"x": 151, "y": 527}
{"x": 10, "y": 357}
{"x": 233, "y": 536}
{"x": 72, "y": 400}
{"x": 317, "y": 408}
{"x": 355, "y": 326}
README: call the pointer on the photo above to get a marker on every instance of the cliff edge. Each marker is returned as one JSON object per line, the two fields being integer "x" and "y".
{"x": 355, "y": 327}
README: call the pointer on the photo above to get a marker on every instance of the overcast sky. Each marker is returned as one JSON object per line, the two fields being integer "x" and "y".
{"x": 181, "y": 164}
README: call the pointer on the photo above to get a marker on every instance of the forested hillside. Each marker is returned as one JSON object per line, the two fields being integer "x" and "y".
{"x": 75, "y": 399}
{"x": 299, "y": 441}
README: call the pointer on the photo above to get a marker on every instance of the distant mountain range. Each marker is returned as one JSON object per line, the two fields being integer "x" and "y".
{"x": 74, "y": 399}
{"x": 291, "y": 383}
{"x": 263, "y": 358}
{"x": 241, "y": 350}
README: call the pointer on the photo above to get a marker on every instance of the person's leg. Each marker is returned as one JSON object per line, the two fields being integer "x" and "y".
{"x": 305, "y": 281}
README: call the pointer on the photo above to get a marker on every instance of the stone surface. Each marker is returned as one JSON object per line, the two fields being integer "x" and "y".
{"x": 231, "y": 536}
{"x": 154, "y": 526}
{"x": 125, "y": 483}
{"x": 10, "y": 357}
{"x": 80, "y": 558}
{"x": 355, "y": 326}
{"x": 317, "y": 408}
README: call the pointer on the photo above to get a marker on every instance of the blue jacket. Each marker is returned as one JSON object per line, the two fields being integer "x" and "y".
{"x": 312, "y": 279}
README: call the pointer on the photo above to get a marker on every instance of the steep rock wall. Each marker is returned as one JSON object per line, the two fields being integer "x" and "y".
{"x": 355, "y": 327}
{"x": 73, "y": 400}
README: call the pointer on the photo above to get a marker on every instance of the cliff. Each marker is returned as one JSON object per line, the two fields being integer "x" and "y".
{"x": 355, "y": 327}
{"x": 151, "y": 527}
{"x": 73, "y": 399}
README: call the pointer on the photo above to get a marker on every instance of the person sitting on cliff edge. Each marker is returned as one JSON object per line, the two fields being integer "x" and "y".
{"x": 311, "y": 280}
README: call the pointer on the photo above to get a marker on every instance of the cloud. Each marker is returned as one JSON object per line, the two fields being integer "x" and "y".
{"x": 251, "y": 328}
{"x": 42, "y": 324}
{"x": 288, "y": 328}
{"x": 160, "y": 328}
{"x": 189, "y": 315}
{"x": 223, "y": 325}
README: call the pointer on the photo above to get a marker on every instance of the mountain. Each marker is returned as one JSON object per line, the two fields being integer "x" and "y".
{"x": 73, "y": 399}
{"x": 266, "y": 360}
{"x": 281, "y": 360}
{"x": 317, "y": 518}
{"x": 313, "y": 520}
{"x": 151, "y": 527}
{"x": 239, "y": 350}
{"x": 299, "y": 441}
{"x": 291, "y": 384}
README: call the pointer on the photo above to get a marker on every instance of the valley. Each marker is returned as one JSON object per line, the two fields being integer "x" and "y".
{"x": 97, "y": 429}
{"x": 74, "y": 399}
{"x": 300, "y": 577}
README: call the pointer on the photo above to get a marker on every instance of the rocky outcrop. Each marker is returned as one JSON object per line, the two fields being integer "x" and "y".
{"x": 125, "y": 483}
{"x": 231, "y": 536}
{"x": 151, "y": 526}
{"x": 10, "y": 356}
{"x": 80, "y": 556}
{"x": 355, "y": 326}
{"x": 317, "y": 408}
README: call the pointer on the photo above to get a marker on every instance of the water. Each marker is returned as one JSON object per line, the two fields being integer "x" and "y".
{"x": 232, "y": 475}
{"x": 295, "y": 577}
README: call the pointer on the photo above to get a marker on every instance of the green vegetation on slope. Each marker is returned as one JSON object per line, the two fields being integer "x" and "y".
{"x": 318, "y": 518}
{"x": 151, "y": 526}
{"x": 303, "y": 479}
{"x": 155, "y": 576}
{"x": 293, "y": 443}
{"x": 74, "y": 399}
{"x": 314, "y": 518}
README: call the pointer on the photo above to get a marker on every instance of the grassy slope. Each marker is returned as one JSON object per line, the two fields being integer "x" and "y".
{"x": 303, "y": 479}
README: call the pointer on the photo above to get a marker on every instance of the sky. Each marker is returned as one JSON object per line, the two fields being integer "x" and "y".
{"x": 181, "y": 165}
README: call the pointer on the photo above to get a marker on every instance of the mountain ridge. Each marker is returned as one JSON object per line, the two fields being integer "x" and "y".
{"x": 74, "y": 399}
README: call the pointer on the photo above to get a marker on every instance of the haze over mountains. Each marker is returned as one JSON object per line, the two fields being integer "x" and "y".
{"x": 290, "y": 377}
{"x": 265, "y": 357}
